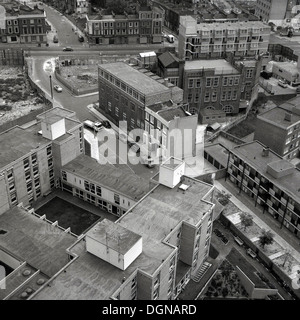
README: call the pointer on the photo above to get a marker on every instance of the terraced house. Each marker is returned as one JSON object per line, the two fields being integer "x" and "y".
{"x": 144, "y": 26}
{"x": 24, "y": 24}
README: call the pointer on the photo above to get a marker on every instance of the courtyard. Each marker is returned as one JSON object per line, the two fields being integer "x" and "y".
{"x": 68, "y": 215}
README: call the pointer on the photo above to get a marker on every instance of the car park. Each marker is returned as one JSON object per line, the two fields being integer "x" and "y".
{"x": 67, "y": 49}
{"x": 58, "y": 88}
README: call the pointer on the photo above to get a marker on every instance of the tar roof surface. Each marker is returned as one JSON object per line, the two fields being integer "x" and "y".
{"x": 38, "y": 242}
{"x": 218, "y": 152}
{"x": 134, "y": 78}
{"x": 252, "y": 153}
{"x": 276, "y": 115}
{"x": 220, "y": 66}
{"x": 128, "y": 184}
{"x": 16, "y": 143}
{"x": 89, "y": 277}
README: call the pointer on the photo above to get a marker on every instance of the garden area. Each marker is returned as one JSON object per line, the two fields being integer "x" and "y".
{"x": 225, "y": 284}
{"x": 68, "y": 215}
{"x": 16, "y": 98}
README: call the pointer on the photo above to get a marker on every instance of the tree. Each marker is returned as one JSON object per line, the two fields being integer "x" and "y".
{"x": 225, "y": 292}
{"x": 246, "y": 220}
{"x": 224, "y": 197}
{"x": 266, "y": 238}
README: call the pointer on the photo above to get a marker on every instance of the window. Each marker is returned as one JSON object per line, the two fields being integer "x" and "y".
{"x": 98, "y": 191}
{"x": 191, "y": 83}
{"x": 207, "y": 96}
{"x": 109, "y": 105}
{"x": 64, "y": 175}
{"x": 225, "y": 81}
{"x": 249, "y": 73}
{"x": 117, "y": 198}
{"x": 214, "y": 96}
{"x": 208, "y": 82}
{"x": 216, "y": 82}
{"x": 198, "y": 82}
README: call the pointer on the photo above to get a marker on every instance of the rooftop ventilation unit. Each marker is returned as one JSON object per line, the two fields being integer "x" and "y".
{"x": 288, "y": 117}
{"x": 184, "y": 187}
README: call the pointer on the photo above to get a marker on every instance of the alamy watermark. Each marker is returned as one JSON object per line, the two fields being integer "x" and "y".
{"x": 2, "y": 278}
{"x": 155, "y": 144}
{"x": 2, "y": 17}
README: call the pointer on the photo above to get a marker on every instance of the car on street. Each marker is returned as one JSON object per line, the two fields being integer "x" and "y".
{"x": 89, "y": 124}
{"x": 251, "y": 253}
{"x": 80, "y": 38}
{"x": 239, "y": 241}
{"x": 147, "y": 161}
{"x": 106, "y": 124}
{"x": 58, "y": 88}
{"x": 67, "y": 49}
{"x": 55, "y": 39}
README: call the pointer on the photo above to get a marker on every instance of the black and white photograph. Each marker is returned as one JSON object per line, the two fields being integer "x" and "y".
{"x": 149, "y": 153}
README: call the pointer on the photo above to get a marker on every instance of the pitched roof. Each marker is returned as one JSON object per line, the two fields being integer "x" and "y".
{"x": 167, "y": 58}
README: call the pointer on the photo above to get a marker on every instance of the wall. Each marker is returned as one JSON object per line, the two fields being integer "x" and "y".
{"x": 4, "y": 202}
{"x": 133, "y": 253}
{"x": 270, "y": 135}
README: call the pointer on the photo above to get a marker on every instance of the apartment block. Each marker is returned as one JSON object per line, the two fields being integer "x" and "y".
{"x": 23, "y": 24}
{"x": 31, "y": 158}
{"x": 150, "y": 253}
{"x": 269, "y": 180}
{"x": 272, "y": 10}
{"x": 216, "y": 40}
{"x": 144, "y": 26}
{"x": 279, "y": 129}
{"x": 103, "y": 185}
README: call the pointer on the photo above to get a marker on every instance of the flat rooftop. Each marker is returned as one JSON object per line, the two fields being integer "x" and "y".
{"x": 89, "y": 277}
{"x": 109, "y": 176}
{"x": 35, "y": 241}
{"x": 17, "y": 142}
{"x": 252, "y": 154}
{"x": 276, "y": 116}
{"x": 57, "y": 111}
{"x": 218, "y": 152}
{"x": 220, "y": 66}
{"x": 134, "y": 78}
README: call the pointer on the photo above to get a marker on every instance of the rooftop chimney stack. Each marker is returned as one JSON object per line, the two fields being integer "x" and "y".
{"x": 265, "y": 152}
{"x": 288, "y": 117}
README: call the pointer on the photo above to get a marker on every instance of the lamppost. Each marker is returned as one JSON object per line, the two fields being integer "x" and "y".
{"x": 51, "y": 89}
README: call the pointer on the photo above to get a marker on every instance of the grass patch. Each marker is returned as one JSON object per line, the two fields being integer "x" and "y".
{"x": 68, "y": 215}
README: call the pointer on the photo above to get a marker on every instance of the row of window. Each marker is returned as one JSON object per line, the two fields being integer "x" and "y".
{"x": 123, "y": 86}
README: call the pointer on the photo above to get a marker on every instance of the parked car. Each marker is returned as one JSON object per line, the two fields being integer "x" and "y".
{"x": 106, "y": 124}
{"x": 251, "y": 253}
{"x": 147, "y": 161}
{"x": 55, "y": 39}
{"x": 58, "y": 88}
{"x": 67, "y": 49}
{"x": 239, "y": 241}
{"x": 98, "y": 125}
{"x": 80, "y": 38}
{"x": 282, "y": 84}
{"x": 92, "y": 125}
